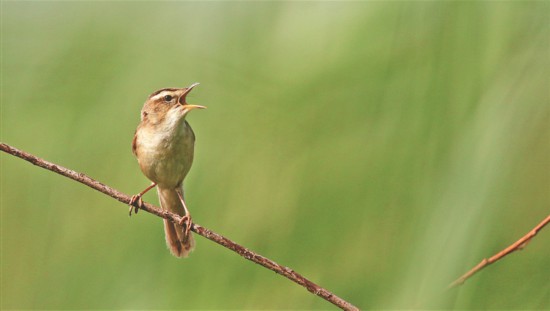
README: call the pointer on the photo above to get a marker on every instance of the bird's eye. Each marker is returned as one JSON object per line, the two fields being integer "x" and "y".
{"x": 168, "y": 98}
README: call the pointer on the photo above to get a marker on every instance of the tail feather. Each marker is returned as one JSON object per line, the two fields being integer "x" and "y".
{"x": 179, "y": 245}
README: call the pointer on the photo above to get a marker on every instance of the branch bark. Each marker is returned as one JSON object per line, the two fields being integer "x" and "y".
{"x": 200, "y": 230}
{"x": 518, "y": 245}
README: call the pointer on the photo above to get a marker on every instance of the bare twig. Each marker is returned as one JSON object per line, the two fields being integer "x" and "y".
{"x": 518, "y": 245}
{"x": 209, "y": 234}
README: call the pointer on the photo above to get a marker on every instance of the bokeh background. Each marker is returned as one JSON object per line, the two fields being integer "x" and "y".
{"x": 379, "y": 148}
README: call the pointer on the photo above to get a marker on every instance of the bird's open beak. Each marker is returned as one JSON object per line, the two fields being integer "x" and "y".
{"x": 184, "y": 95}
{"x": 191, "y": 107}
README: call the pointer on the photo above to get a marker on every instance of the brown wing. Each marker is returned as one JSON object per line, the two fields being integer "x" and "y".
{"x": 134, "y": 144}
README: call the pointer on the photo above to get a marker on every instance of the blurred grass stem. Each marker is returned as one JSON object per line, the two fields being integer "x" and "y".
{"x": 518, "y": 245}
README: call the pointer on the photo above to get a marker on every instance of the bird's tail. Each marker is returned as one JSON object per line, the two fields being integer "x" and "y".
{"x": 177, "y": 242}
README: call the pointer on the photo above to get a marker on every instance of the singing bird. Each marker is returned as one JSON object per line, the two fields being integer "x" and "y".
{"x": 164, "y": 145}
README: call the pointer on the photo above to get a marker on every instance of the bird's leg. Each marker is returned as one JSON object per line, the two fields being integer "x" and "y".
{"x": 137, "y": 197}
{"x": 185, "y": 219}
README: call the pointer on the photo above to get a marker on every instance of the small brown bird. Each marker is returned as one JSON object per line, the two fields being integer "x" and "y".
{"x": 164, "y": 144}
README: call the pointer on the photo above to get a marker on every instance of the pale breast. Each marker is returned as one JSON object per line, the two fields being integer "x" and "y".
{"x": 165, "y": 156}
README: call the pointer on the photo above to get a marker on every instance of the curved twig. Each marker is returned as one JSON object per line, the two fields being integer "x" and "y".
{"x": 518, "y": 245}
{"x": 209, "y": 234}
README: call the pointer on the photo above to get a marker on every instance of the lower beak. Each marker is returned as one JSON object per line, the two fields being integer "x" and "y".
{"x": 191, "y": 107}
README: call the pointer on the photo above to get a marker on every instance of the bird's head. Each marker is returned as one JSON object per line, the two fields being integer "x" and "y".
{"x": 168, "y": 104}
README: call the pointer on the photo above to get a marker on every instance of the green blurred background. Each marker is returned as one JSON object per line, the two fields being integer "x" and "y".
{"x": 379, "y": 148}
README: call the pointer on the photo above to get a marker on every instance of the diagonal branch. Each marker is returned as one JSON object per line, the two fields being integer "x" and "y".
{"x": 209, "y": 234}
{"x": 518, "y": 245}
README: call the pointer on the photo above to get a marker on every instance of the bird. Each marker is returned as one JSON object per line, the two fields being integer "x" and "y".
{"x": 164, "y": 145}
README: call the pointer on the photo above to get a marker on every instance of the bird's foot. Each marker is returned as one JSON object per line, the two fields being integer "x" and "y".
{"x": 186, "y": 223}
{"x": 135, "y": 198}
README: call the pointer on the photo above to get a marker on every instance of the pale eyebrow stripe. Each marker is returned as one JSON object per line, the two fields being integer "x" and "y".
{"x": 161, "y": 92}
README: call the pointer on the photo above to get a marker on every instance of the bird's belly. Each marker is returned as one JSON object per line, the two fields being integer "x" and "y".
{"x": 165, "y": 160}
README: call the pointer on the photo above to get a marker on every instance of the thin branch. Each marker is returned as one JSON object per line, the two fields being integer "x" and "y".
{"x": 518, "y": 245}
{"x": 209, "y": 234}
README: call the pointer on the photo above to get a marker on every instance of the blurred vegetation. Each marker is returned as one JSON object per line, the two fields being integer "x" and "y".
{"x": 379, "y": 148}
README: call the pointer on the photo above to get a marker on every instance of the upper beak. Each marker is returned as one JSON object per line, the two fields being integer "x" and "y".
{"x": 184, "y": 95}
